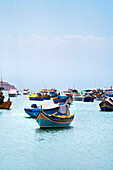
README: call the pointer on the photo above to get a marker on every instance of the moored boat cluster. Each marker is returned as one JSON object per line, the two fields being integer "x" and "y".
{"x": 59, "y": 116}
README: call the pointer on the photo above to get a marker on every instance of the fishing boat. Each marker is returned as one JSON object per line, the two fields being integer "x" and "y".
{"x": 110, "y": 94}
{"x": 25, "y": 91}
{"x": 53, "y": 92}
{"x": 35, "y": 97}
{"x": 46, "y": 96}
{"x": 46, "y": 121}
{"x": 12, "y": 93}
{"x": 60, "y": 99}
{"x": 6, "y": 105}
{"x": 101, "y": 98}
{"x": 106, "y": 105}
{"x": 77, "y": 97}
{"x": 88, "y": 98}
{"x": 34, "y": 111}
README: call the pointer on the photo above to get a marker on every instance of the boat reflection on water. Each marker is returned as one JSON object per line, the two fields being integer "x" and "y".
{"x": 54, "y": 130}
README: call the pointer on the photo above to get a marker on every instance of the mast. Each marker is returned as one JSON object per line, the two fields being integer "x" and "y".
{"x": 1, "y": 85}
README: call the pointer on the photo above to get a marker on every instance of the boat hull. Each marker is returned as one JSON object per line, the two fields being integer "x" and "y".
{"x": 35, "y": 111}
{"x": 77, "y": 98}
{"x": 25, "y": 93}
{"x": 12, "y": 95}
{"x": 36, "y": 98}
{"x": 110, "y": 95}
{"x": 60, "y": 99}
{"x": 88, "y": 99}
{"x": 53, "y": 94}
{"x": 106, "y": 106}
{"x": 46, "y": 98}
{"x": 5, "y": 105}
{"x": 50, "y": 121}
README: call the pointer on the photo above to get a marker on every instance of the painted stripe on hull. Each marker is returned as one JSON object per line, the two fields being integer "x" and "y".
{"x": 60, "y": 119}
{"x": 43, "y": 123}
{"x": 34, "y": 98}
{"x": 106, "y": 106}
{"x": 46, "y": 121}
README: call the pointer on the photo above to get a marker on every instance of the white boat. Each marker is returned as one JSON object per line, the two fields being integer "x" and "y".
{"x": 77, "y": 97}
{"x": 25, "y": 92}
{"x": 12, "y": 93}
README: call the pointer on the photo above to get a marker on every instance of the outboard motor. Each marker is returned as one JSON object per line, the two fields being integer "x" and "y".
{"x": 34, "y": 105}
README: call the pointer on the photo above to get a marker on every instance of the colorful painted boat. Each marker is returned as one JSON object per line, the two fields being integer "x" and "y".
{"x": 110, "y": 94}
{"x": 5, "y": 105}
{"x": 60, "y": 99}
{"x": 35, "y": 97}
{"x": 88, "y": 98}
{"x": 33, "y": 112}
{"x": 46, "y": 96}
{"x": 46, "y": 121}
{"x": 53, "y": 92}
{"x": 106, "y": 105}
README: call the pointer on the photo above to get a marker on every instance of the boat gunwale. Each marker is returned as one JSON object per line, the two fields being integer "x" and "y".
{"x": 49, "y": 117}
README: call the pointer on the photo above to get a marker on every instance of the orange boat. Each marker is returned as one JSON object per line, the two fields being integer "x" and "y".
{"x": 5, "y": 105}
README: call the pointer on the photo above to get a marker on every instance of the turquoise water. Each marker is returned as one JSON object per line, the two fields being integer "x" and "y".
{"x": 86, "y": 145}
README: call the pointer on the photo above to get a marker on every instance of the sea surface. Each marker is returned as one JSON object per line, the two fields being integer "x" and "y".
{"x": 86, "y": 145}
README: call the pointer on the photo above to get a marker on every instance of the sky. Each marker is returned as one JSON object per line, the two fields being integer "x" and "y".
{"x": 56, "y": 43}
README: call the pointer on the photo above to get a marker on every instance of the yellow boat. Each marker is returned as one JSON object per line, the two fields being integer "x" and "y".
{"x": 5, "y": 105}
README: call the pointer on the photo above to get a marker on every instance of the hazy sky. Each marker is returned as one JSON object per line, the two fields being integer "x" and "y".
{"x": 56, "y": 43}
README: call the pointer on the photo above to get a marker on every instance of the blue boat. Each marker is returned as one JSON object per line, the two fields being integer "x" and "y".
{"x": 36, "y": 98}
{"x": 110, "y": 94}
{"x": 34, "y": 112}
{"x": 106, "y": 105}
{"x": 60, "y": 99}
{"x": 46, "y": 121}
{"x": 88, "y": 98}
{"x": 53, "y": 94}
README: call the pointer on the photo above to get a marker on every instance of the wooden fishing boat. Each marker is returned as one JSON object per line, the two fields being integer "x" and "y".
{"x": 60, "y": 99}
{"x": 46, "y": 121}
{"x": 106, "y": 105}
{"x": 53, "y": 92}
{"x": 35, "y": 97}
{"x": 46, "y": 96}
{"x": 88, "y": 98}
{"x": 33, "y": 112}
{"x": 5, "y": 105}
